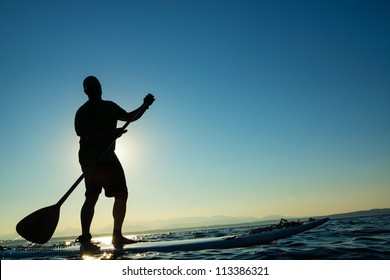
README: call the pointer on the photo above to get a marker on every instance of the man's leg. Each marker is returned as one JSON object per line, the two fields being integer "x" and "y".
{"x": 119, "y": 213}
{"x": 87, "y": 212}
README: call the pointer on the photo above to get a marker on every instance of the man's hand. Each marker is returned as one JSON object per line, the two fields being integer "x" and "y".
{"x": 136, "y": 114}
{"x": 119, "y": 132}
{"x": 148, "y": 100}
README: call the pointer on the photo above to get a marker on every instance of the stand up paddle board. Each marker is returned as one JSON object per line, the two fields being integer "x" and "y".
{"x": 253, "y": 238}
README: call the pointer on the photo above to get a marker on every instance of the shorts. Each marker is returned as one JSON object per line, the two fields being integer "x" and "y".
{"x": 107, "y": 175}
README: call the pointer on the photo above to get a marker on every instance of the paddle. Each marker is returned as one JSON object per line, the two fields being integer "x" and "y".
{"x": 39, "y": 226}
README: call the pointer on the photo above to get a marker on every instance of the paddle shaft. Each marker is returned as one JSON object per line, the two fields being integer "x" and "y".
{"x": 92, "y": 165}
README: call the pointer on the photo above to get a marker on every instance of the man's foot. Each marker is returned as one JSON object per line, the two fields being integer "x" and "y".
{"x": 119, "y": 241}
{"x": 86, "y": 246}
{"x": 89, "y": 247}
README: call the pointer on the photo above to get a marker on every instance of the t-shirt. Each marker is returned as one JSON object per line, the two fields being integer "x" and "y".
{"x": 100, "y": 117}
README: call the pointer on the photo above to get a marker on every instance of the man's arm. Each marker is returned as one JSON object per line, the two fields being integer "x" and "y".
{"x": 137, "y": 113}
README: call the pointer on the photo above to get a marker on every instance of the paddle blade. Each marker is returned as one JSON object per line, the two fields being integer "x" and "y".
{"x": 38, "y": 227}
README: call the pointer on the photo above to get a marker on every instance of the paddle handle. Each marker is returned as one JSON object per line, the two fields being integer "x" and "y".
{"x": 92, "y": 165}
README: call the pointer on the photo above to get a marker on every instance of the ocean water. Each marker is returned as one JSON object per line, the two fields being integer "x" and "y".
{"x": 363, "y": 238}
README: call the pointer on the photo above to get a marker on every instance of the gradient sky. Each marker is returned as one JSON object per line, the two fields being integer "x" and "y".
{"x": 262, "y": 107}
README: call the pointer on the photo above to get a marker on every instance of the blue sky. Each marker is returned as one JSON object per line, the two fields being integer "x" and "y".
{"x": 262, "y": 107}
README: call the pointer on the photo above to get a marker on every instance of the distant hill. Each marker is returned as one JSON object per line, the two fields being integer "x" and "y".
{"x": 362, "y": 213}
{"x": 187, "y": 222}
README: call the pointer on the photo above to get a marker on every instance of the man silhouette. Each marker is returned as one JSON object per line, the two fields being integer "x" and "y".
{"x": 95, "y": 124}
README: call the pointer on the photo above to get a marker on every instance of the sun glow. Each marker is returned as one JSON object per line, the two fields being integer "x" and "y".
{"x": 127, "y": 152}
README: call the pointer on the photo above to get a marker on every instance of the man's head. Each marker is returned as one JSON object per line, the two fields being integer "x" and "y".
{"x": 92, "y": 88}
